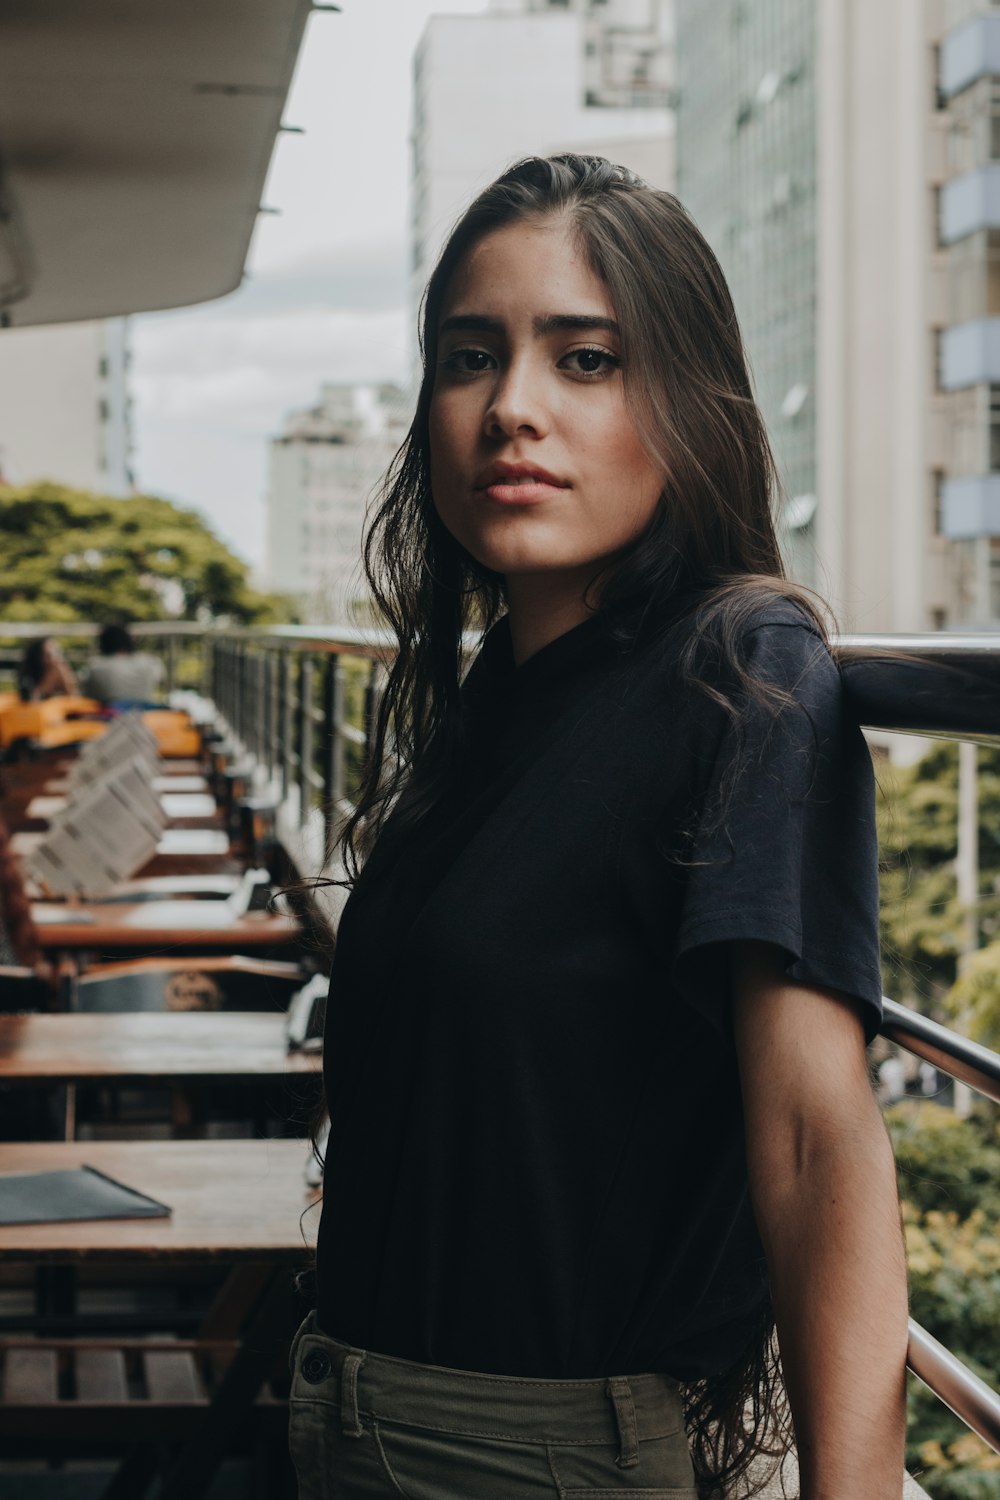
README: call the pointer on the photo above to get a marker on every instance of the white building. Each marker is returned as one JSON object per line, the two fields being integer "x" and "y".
{"x": 532, "y": 77}
{"x": 324, "y": 468}
{"x": 843, "y": 158}
{"x": 909, "y": 310}
{"x": 65, "y": 412}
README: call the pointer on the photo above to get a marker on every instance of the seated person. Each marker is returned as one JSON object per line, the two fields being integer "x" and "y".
{"x": 121, "y": 676}
{"x": 44, "y": 671}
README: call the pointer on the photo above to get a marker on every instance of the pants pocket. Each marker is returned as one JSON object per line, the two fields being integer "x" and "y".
{"x": 641, "y": 1494}
{"x": 430, "y": 1465}
{"x": 589, "y": 1471}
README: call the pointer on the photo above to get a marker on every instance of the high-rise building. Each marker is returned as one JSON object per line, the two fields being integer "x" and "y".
{"x": 966, "y": 492}
{"x": 570, "y": 76}
{"x": 746, "y": 170}
{"x": 65, "y": 411}
{"x": 324, "y": 468}
{"x": 843, "y": 159}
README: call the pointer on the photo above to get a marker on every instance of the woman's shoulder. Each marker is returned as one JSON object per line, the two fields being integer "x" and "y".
{"x": 712, "y": 632}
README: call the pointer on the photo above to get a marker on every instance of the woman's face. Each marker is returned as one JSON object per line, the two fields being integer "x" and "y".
{"x": 536, "y": 467}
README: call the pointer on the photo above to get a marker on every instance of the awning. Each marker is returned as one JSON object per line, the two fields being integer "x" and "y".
{"x": 135, "y": 138}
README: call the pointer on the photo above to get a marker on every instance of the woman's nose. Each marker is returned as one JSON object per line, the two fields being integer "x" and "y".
{"x": 517, "y": 403}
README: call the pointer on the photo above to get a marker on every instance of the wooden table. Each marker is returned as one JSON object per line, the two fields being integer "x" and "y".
{"x": 232, "y": 1201}
{"x": 181, "y": 851}
{"x": 238, "y": 1204}
{"x": 147, "y": 1047}
{"x": 161, "y": 926}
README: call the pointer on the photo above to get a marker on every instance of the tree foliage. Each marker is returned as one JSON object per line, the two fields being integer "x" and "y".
{"x": 70, "y": 555}
{"x": 949, "y": 1178}
{"x": 922, "y": 919}
{"x": 949, "y": 1169}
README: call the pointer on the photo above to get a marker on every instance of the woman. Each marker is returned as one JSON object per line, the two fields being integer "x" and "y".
{"x": 44, "y": 671}
{"x": 600, "y": 1110}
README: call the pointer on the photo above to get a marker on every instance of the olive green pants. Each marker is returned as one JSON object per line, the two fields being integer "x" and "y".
{"x": 368, "y": 1427}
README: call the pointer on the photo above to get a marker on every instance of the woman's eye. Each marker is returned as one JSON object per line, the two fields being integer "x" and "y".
{"x": 468, "y": 361}
{"x": 590, "y": 362}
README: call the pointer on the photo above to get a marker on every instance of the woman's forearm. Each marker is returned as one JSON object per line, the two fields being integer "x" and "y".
{"x": 830, "y": 1226}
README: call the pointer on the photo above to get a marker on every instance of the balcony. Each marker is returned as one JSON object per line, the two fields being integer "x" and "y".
{"x": 292, "y": 709}
{"x": 970, "y": 507}
{"x": 970, "y": 354}
{"x": 969, "y": 52}
{"x": 970, "y": 202}
{"x": 136, "y": 142}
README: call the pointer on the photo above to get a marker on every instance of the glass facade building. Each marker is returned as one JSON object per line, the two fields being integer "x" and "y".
{"x": 746, "y": 170}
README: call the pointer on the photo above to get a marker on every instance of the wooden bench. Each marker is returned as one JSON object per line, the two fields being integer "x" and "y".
{"x": 91, "y": 1390}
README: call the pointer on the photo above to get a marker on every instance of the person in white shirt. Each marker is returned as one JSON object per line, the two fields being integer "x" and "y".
{"x": 120, "y": 676}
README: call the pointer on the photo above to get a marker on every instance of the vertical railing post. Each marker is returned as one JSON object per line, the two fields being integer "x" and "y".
{"x": 287, "y": 723}
{"x": 305, "y": 735}
{"x": 171, "y": 662}
{"x": 210, "y": 684}
{"x": 267, "y": 712}
{"x": 334, "y": 764}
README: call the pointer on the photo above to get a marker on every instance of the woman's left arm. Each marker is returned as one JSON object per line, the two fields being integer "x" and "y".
{"x": 823, "y": 1187}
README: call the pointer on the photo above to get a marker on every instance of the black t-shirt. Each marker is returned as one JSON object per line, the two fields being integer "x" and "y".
{"x": 536, "y": 1163}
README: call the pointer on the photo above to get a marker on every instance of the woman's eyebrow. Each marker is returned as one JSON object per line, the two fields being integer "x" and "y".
{"x": 471, "y": 323}
{"x": 552, "y": 323}
{"x": 558, "y": 322}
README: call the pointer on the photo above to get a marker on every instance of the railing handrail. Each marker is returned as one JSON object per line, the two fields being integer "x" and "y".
{"x": 971, "y": 1399}
{"x": 22, "y": 630}
{"x": 345, "y": 637}
{"x": 970, "y": 1062}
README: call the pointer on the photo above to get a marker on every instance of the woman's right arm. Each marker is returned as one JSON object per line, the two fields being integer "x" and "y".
{"x": 823, "y": 1187}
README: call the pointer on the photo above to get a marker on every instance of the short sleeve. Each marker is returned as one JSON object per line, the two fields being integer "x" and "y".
{"x": 783, "y": 848}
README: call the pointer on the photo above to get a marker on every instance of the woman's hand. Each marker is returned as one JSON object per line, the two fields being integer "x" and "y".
{"x": 823, "y": 1186}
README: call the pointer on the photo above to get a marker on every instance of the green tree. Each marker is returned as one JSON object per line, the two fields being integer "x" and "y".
{"x": 70, "y": 555}
{"x": 921, "y": 915}
{"x": 949, "y": 1179}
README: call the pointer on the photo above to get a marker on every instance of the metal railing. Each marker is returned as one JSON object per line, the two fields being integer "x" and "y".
{"x": 970, "y": 1398}
{"x": 180, "y": 644}
{"x": 301, "y": 704}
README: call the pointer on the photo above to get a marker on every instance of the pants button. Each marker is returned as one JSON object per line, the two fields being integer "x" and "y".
{"x": 316, "y": 1367}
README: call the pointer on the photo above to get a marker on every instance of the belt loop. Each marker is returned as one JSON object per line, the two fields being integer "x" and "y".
{"x": 349, "y": 1417}
{"x": 628, "y": 1433}
{"x": 306, "y": 1326}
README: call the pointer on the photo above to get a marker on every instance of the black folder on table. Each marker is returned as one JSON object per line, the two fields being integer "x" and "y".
{"x": 78, "y": 1193}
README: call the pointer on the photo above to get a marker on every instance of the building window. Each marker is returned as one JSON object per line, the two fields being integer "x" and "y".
{"x": 994, "y": 545}
{"x": 994, "y": 142}
{"x": 994, "y": 429}
{"x": 937, "y": 498}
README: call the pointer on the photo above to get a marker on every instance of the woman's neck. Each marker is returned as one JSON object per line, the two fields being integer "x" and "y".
{"x": 541, "y": 608}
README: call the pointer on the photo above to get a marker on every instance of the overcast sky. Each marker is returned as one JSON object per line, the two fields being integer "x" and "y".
{"x": 325, "y": 295}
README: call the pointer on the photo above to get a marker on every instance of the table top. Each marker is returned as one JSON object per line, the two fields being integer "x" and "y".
{"x": 231, "y": 1201}
{"x": 179, "y": 843}
{"x": 161, "y": 924}
{"x": 148, "y": 1045}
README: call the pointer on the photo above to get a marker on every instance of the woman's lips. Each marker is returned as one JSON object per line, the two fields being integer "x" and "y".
{"x": 521, "y": 491}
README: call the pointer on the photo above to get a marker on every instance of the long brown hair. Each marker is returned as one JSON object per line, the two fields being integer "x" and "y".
{"x": 710, "y": 551}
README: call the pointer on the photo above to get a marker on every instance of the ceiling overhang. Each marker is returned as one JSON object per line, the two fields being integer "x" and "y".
{"x": 135, "y": 140}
